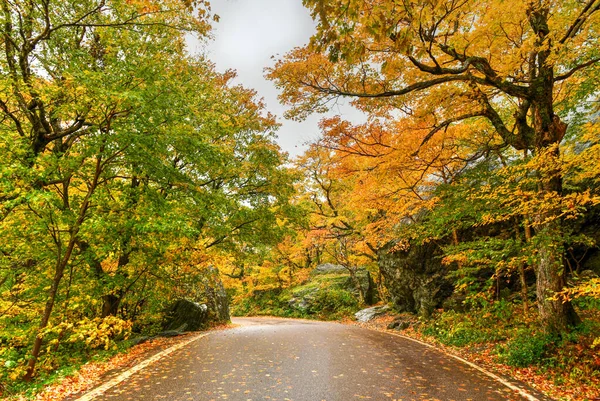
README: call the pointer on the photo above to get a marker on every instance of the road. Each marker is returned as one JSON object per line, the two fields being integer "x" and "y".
{"x": 278, "y": 359}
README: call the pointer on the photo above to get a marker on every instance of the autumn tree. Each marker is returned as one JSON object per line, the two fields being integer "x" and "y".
{"x": 509, "y": 65}
{"x": 335, "y": 228}
{"x": 121, "y": 154}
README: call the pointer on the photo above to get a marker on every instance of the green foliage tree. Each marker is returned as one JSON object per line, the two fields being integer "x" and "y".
{"x": 121, "y": 153}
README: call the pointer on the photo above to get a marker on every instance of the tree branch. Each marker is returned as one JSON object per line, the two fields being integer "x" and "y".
{"x": 575, "y": 69}
{"x": 408, "y": 89}
{"x": 447, "y": 123}
{"x": 580, "y": 20}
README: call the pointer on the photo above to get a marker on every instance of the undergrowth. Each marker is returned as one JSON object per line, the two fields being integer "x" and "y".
{"x": 63, "y": 364}
{"x": 325, "y": 304}
{"x": 515, "y": 339}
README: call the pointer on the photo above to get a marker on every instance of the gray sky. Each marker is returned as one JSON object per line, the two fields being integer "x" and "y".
{"x": 248, "y": 34}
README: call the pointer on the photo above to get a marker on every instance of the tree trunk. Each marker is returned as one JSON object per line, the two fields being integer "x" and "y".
{"x": 58, "y": 275}
{"x": 61, "y": 264}
{"x": 556, "y": 315}
{"x": 37, "y": 345}
{"x": 523, "y": 265}
{"x": 110, "y": 305}
{"x": 524, "y": 290}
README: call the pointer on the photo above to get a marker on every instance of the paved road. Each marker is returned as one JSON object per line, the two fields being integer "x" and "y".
{"x": 278, "y": 359}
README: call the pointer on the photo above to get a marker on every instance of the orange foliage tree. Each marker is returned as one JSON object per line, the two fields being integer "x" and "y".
{"x": 509, "y": 72}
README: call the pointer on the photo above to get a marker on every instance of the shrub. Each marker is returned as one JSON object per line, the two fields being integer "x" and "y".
{"x": 333, "y": 303}
{"x": 526, "y": 348}
{"x": 457, "y": 329}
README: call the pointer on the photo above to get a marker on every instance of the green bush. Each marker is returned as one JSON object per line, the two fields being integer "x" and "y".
{"x": 459, "y": 329}
{"x": 265, "y": 302}
{"x": 587, "y": 303}
{"x": 327, "y": 301}
{"x": 526, "y": 348}
{"x": 333, "y": 303}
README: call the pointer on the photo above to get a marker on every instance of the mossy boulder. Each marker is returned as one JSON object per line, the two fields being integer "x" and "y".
{"x": 215, "y": 297}
{"x": 185, "y": 315}
{"x": 415, "y": 277}
{"x": 332, "y": 286}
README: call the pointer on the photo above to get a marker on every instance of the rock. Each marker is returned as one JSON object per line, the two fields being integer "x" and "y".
{"x": 169, "y": 333}
{"x": 173, "y": 333}
{"x": 587, "y": 275}
{"x": 586, "y": 255}
{"x": 184, "y": 312}
{"x": 329, "y": 268}
{"x": 139, "y": 340}
{"x": 368, "y": 286}
{"x": 364, "y": 278}
{"x": 579, "y": 278}
{"x": 455, "y": 302}
{"x": 415, "y": 278}
{"x": 330, "y": 277}
{"x": 592, "y": 262}
{"x": 398, "y": 324}
{"x": 367, "y": 314}
{"x": 302, "y": 303}
{"x": 215, "y": 297}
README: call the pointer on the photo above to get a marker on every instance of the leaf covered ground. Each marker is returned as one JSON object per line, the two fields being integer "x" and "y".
{"x": 573, "y": 375}
{"x": 92, "y": 374}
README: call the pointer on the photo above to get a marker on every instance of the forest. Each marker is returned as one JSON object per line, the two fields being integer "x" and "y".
{"x": 133, "y": 174}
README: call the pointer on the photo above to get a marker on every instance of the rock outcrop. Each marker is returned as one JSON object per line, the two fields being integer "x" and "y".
{"x": 190, "y": 315}
{"x": 415, "y": 278}
{"x": 333, "y": 277}
{"x": 329, "y": 268}
{"x": 370, "y": 313}
{"x": 362, "y": 278}
{"x": 216, "y": 297}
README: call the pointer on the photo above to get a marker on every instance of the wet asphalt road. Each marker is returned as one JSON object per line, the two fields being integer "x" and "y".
{"x": 278, "y": 359}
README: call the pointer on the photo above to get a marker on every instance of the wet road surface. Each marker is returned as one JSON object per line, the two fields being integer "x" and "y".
{"x": 278, "y": 359}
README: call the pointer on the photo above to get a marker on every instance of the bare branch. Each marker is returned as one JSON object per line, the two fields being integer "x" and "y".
{"x": 4, "y": 108}
{"x": 585, "y": 13}
{"x": 408, "y": 89}
{"x": 575, "y": 69}
{"x": 447, "y": 123}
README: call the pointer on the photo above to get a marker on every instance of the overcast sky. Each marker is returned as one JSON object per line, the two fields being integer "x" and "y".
{"x": 249, "y": 33}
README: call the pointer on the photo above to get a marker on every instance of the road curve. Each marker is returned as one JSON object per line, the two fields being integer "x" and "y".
{"x": 280, "y": 359}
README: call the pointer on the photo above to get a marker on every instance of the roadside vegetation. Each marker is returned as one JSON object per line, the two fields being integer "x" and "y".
{"x": 502, "y": 337}
{"x": 133, "y": 174}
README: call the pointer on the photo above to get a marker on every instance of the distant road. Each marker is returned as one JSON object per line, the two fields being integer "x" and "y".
{"x": 280, "y": 359}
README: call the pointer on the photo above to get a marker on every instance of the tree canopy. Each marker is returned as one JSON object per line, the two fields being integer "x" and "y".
{"x": 449, "y": 85}
{"x": 128, "y": 167}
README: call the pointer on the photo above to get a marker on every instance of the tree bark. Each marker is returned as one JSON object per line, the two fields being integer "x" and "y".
{"x": 37, "y": 344}
{"x": 523, "y": 265}
{"x": 110, "y": 305}
{"x": 557, "y": 315}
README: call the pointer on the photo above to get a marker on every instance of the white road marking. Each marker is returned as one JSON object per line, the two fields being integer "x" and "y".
{"x": 474, "y": 366}
{"x": 98, "y": 391}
